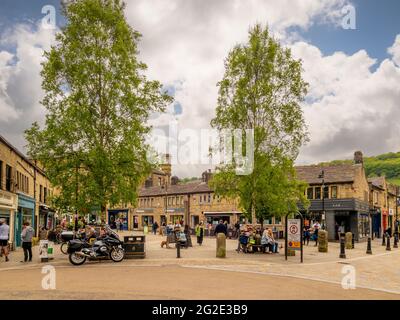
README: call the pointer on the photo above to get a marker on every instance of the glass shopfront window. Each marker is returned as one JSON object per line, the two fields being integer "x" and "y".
{"x": 147, "y": 221}
{"x": 363, "y": 225}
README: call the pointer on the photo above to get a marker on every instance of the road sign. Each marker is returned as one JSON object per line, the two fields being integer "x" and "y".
{"x": 294, "y": 234}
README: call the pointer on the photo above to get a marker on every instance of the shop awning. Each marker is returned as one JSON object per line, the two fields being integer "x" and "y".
{"x": 221, "y": 214}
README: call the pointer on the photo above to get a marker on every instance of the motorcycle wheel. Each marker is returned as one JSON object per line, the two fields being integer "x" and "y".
{"x": 76, "y": 260}
{"x": 117, "y": 254}
{"x": 64, "y": 247}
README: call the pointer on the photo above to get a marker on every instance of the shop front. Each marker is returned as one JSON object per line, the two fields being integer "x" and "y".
{"x": 8, "y": 206}
{"x": 120, "y": 215}
{"x": 25, "y": 213}
{"x": 47, "y": 218}
{"x": 176, "y": 215}
{"x": 376, "y": 215}
{"x": 352, "y": 214}
{"x": 385, "y": 219}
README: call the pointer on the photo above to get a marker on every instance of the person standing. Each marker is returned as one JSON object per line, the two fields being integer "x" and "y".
{"x": 27, "y": 234}
{"x": 155, "y": 227}
{"x": 237, "y": 228}
{"x": 316, "y": 227}
{"x": 220, "y": 228}
{"x": 4, "y": 236}
{"x": 117, "y": 224}
{"x": 306, "y": 234}
{"x": 200, "y": 233}
{"x": 121, "y": 224}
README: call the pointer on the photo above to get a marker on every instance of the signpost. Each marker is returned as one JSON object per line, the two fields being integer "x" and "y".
{"x": 294, "y": 235}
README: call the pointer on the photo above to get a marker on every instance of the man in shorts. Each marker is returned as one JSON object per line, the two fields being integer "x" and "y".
{"x": 4, "y": 236}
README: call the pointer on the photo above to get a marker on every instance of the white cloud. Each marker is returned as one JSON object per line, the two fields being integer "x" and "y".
{"x": 352, "y": 107}
{"x": 20, "y": 81}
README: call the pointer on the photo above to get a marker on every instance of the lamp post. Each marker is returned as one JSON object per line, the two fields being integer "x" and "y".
{"x": 396, "y": 223}
{"x": 322, "y": 176}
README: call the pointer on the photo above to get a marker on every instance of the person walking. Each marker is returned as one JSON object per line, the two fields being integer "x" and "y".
{"x": 237, "y": 228}
{"x": 316, "y": 228}
{"x": 220, "y": 228}
{"x": 199, "y": 233}
{"x": 26, "y": 235}
{"x": 155, "y": 227}
{"x": 306, "y": 234}
{"x": 4, "y": 237}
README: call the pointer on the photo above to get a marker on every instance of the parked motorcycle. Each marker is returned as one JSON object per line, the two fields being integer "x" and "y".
{"x": 108, "y": 246}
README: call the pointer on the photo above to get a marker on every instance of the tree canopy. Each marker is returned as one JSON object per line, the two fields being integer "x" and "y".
{"x": 98, "y": 101}
{"x": 262, "y": 90}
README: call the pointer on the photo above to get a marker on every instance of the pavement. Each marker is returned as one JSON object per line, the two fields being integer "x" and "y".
{"x": 198, "y": 274}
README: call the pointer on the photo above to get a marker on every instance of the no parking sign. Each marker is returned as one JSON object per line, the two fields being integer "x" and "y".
{"x": 294, "y": 234}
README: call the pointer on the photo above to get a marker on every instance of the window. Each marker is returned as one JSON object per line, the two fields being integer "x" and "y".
{"x": 8, "y": 178}
{"x": 205, "y": 198}
{"x": 310, "y": 193}
{"x": 1, "y": 174}
{"x": 159, "y": 181}
{"x": 326, "y": 192}
{"x": 45, "y": 195}
{"x": 334, "y": 192}
{"x": 152, "y": 200}
{"x": 277, "y": 220}
{"x": 318, "y": 193}
{"x": 41, "y": 193}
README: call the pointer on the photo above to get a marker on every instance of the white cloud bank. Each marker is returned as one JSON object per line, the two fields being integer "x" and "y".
{"x": 185, "y": 43}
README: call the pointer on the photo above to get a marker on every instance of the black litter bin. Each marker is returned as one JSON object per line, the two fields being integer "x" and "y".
{"x": 134, "y": 247}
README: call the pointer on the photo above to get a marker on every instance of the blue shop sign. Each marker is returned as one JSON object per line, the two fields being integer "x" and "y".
{"x": 26, "y": 202}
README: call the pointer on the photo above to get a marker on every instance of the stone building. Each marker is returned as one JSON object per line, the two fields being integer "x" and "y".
{"x": 342, "y": 192}
{"x": 191, "y": 202}
{"x": 24, "y": 192}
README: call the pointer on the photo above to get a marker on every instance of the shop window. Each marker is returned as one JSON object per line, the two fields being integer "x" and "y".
{"x": 8, "y": 178}
{"x": 334, "y": 192}
{"x": 1, "y": 174}
{"x": 310, "y": 193}
{"x": 318, "y": 193}
{"x": 326, "y": 192}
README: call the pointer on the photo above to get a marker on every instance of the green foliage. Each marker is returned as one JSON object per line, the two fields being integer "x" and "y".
{"x": 98, "y": 102}
{"x": 387, "y": 164}
{"x": 262, "y": 90}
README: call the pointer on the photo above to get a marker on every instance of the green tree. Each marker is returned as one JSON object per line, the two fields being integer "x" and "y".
{"x": 262, "y": 89}
{"x": 98, "y": 101}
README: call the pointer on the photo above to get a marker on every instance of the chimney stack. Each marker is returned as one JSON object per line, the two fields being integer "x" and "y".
{"x": 358, "y": 157}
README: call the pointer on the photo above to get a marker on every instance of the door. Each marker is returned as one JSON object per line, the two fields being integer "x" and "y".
{"x": 136, "y": 222}
{"x": 18, "y": 228}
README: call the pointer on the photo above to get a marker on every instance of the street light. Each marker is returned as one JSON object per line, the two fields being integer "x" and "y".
{"x": 322, "y": 176}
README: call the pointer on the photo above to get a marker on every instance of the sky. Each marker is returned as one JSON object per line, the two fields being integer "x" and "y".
{"x": 354, "y": 74}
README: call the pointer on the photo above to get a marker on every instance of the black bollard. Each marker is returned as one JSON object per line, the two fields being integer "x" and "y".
{"x": 396, "y": 240}
{"x": 388, "y": 243}
{"x": 383, "y": 240}
{"x": 352, "y": 240}
{"x": 178, "y": 249}
{"x": 369, "y": 250}
{"x": 342, "y": 246}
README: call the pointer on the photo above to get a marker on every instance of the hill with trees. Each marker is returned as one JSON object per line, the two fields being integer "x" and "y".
{"x": 387, "y": 164}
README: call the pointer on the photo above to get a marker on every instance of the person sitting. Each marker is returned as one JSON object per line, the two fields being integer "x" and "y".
{"x": 265, "y": 242}
{"x": 272, "y": 242}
